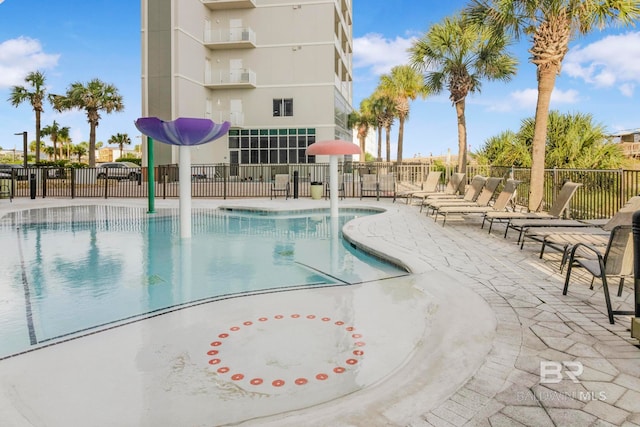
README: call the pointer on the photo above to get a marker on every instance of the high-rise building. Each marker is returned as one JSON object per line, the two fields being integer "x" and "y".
{"x": 279, "y": 71}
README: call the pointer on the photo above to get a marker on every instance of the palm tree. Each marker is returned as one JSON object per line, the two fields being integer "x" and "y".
{"x": 551, "y": 24}
{"x": 20, "y": 94}
{"x": 80, "y": 150}
{"x": 94, "y": 97}
{"x": 458, "y": 56}
{"x": 383, "y": 109}
{"x": 362, "y": 120}
{"x": 402, "y": 85}
{"x": 56, "y": 133}
{"x": 120, "y": 139}
{"x": 48, "y": 151}
{"x": 66, "y": 144}
{"x": 574, "y": 140}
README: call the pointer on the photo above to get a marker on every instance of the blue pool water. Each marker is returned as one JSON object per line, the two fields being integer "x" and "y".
{"x": 74, "y": 270}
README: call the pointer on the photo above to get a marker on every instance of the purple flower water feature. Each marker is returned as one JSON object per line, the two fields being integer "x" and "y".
{"x": 182, "y": 131}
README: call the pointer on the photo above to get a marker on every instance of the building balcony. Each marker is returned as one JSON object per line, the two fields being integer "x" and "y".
{"x": 229, "y": 4}
{"x": 231, "y": 38}
{"x": 231, "y": 79}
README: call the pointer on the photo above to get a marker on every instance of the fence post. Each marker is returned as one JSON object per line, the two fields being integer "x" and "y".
{"x": 73, "y": 183}
{"x": 224, "y": 182}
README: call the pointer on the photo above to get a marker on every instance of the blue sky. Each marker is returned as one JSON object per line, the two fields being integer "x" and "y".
{"x": 101, "y": 39}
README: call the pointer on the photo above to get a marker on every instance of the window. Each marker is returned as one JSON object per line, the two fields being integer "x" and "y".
{"x": 283, "y": 107}
{"x": 270, "y": 146}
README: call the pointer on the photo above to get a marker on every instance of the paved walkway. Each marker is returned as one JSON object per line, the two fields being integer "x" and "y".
{"x": 535, "y": 323}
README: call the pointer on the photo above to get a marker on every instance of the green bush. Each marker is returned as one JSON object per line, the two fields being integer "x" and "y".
{"x": 135, "y": 160}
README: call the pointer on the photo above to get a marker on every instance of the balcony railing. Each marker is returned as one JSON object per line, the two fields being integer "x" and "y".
{"x": 229, "y": 4}
{"x": 231, "y": 79}
{"x": 231, "y": 38}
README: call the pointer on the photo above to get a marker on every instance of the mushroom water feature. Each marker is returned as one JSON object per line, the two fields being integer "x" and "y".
{"x": 333, "y": 148}
{"x": 184, "y": 132}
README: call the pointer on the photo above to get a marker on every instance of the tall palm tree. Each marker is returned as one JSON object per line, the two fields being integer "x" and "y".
{"x": 403, "y": 85}
{"x": 120, "y": 139}
{"x": 66, "y": 144}
{"x": 383, "y": 110}
{"x": 94, "y": 97}
{"x": 362, "y": 120}
{"x": 457, "y": 55}
{"x": 551, "y": 24}
{"x": 35, "y": 95}
{"x": 56, "y": 133}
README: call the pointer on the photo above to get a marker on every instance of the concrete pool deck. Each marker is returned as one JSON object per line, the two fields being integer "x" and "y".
{"x": 507, "y": 315}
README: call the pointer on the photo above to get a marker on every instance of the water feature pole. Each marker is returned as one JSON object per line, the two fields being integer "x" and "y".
{"x": 184, "y": 176}
{"x": 151, "y": 177}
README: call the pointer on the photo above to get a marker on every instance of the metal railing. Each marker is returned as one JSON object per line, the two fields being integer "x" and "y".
{"x": 602, "y": 193}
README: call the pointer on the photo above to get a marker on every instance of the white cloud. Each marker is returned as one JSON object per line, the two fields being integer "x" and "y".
{"x": 627, "y": 89}
{"x": 526, "y": 99}
{"x": 613, "y": 60}
{"x": 378, "y": 54}
{"x": 20, "y": 56}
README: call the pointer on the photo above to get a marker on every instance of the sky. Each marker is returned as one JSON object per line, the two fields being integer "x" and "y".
{"x": 101, "y": 39}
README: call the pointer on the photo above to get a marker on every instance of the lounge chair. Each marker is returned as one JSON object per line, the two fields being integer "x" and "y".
{"x": 280, "y": 185}
{"x": 430, "y": 185}
{"x": 563, "y": 239}
{"x": 484, "y": 198}
{"x": 471, "y": 193}
{"x": 455, "y": 183}
{"x": 616, "y": 261}
{"x": 368, "y": 185}
{"x": 499, "y": 205}
{"x": 521, "y": 221}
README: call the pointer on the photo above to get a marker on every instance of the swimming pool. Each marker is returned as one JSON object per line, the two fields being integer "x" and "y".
{"x": 71, "y": 271}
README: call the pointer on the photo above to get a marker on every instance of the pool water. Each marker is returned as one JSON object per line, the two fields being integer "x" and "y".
{"x": 76, "y": 270}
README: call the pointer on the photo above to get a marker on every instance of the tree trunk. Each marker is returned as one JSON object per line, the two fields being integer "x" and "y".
{"x": 362, "y": 147}
{"x": 388, "y": 132}
{"x": 379, "y": 143}
{"x": 55, "y": 149}
{"x": 400, "y": 137}
{"x": 546, "y": 82}
{"x": 92, "y": 145}
{"x": 37, "y": 136}
{"x": 462, "y": 136}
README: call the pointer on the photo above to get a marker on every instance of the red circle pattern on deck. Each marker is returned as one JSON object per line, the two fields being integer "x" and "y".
{"x": 278, "y": 382}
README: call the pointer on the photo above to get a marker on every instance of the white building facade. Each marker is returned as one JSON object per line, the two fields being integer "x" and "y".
{"x": 279, "y": 72}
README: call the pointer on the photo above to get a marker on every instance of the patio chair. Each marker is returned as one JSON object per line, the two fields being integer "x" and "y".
{"x": 617, "y": 261}
{"x": 522, "y": 220}
{"x": 430, "y": 185}
{"x": 5, "y": 190}
{"x": 327, "y": 189}
{"x": 563, "y": 239}
{"x": 484, "y": 199}
{"x": 387, "y": 185}
{"x": 480, "y": 186}
{"x": 499, "y": 205}
{"x": 456, "y": 181}
{"x": 280, "y": 185}
{"x": 369, "y": 185}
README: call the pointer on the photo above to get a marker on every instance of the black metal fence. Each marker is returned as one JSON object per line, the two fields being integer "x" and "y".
{"x": 603, "y": 191}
